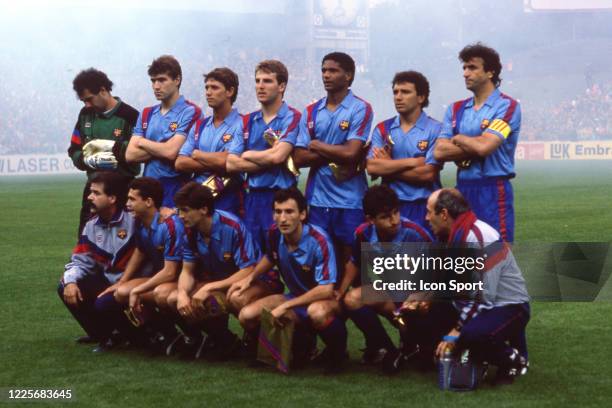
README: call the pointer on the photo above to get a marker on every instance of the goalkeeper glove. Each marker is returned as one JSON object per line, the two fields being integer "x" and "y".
{"x": 101, "y": 161}
{"x": 97, "y": 146}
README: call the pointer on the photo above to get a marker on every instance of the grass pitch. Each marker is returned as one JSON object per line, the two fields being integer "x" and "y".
{"x": 569, "y": 342}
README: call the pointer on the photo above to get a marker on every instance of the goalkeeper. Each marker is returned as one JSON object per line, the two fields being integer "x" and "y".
{"x": 102, "y": 132}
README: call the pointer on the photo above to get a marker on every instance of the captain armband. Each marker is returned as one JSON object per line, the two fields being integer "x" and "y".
{"x": 501, "y": 127}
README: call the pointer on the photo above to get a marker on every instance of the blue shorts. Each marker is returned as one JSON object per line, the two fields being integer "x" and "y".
{"x": 416, "y": 211}
{"x": 339, "y": 223}
{"x": 272, "y": 280}
{"x": 258, "y": 214}
{"x": 300, "y": 311}
{"x": 231, "y": 201}
{"x": 492, "y": 200}
{"x": 171, "y": 186}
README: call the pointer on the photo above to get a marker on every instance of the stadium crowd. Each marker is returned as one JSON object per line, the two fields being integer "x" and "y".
{"x": 586, "y": 116}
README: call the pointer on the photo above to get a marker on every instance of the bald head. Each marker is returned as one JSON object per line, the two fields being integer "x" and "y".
{"x": 443, "y": 207}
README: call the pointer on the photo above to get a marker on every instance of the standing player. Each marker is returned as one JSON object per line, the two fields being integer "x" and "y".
{"x": 402, "y": 147}
{"x": 331, "y": 141}
{"x": 265, "y": 164}
{"x": 492, "y": 326}
{"x": 218, "y": 252}
{"x": 162, "y": 129}
{"x": 100, "y": 257}
{"x": 384, "y": 224}
{"x": 212, "y": 138}
{"x": 480, "y": 134}
{"x": 105, "y": 118}
{"x": 305, "y": 258}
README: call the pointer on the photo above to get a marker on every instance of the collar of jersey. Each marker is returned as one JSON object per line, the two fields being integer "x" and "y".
{"x": 346, "y": 102}
{"x": 179, "y": 102}
{"x": 305, "y": 232}
{"x": 115, "y": 219}
{"x": 279, "y": 115}
{"x": 111, "y": 112}
{"x": 229, "y": 119}
{"x": 421, "y": 122}
{"x": 490, "y": 100}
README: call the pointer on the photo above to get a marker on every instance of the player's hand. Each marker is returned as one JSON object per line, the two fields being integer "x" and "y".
{"x": 421, "y": 306}
{"x": 111, "y": 289}
{"x": 409, "y": 306}
{"x": 314, "y": 145}
{"x": 442, "y": 346}
{"x": 198, "y": 299}
{"x": 183, "y": 305}
{"x": 72, "y": 294}
{"x": 167, "y": 212}
{"x": 278, "y": 312}
{"x": 101, "y": 161}
{"x": 240, "y": 286}
{"x": 134, "y": 301}
{"x": 247, "y": 155}
{"x": 381, "y": 153}
{"x": 196, "y": 154}
{"x": 339, "y": 295}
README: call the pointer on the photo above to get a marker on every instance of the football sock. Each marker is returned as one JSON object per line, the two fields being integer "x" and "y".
{"x": 366, "y": 320}
{"x": 335, "y": 335}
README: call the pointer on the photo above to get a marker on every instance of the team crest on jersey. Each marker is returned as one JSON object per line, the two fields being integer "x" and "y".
{"x": 484, "y": 124}
{"x": 226, "y": 138}
{"x": 227, "y": 256}
{"x": 117, "y": 132}
{"x": 144, "y": 125}
{"x": 173, "y": 126}
{"x": 422, "y": 145}
{"x": 306, "y": 268}
{"x": 310, "y": 125}
{"x": 87, "y": 124}
{"x": 99, "y": 239}
{"x": 122, "y": 234}
{"x": 344, "y": 125}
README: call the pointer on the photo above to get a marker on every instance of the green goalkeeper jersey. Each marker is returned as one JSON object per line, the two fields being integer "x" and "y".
{"x": 116, "y": 125}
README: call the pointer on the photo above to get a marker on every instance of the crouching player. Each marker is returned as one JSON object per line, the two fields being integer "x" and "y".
{"x": 100, "y": 257}
{"x": 156, "y": 260}
{"x": 492, "y": 328}
{"x": 219, "y": 251}
{"x": 305, "y": 258}
{"x": 384, "y": 224}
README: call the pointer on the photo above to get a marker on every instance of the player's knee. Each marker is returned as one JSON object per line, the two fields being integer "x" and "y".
{"x": 237, "y": 302}
{"x": 249, "y": 317}
{"x": 122, "y": 294}
{"x": 60, "y": 290}
{"x": 352, "y": 300}
{"x": 319, "y": 313}
{"x": 171, "y": 300}
{"x": 160, "y": 295}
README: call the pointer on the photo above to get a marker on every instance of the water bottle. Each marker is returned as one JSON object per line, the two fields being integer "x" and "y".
{"x": 444, "y": 367}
